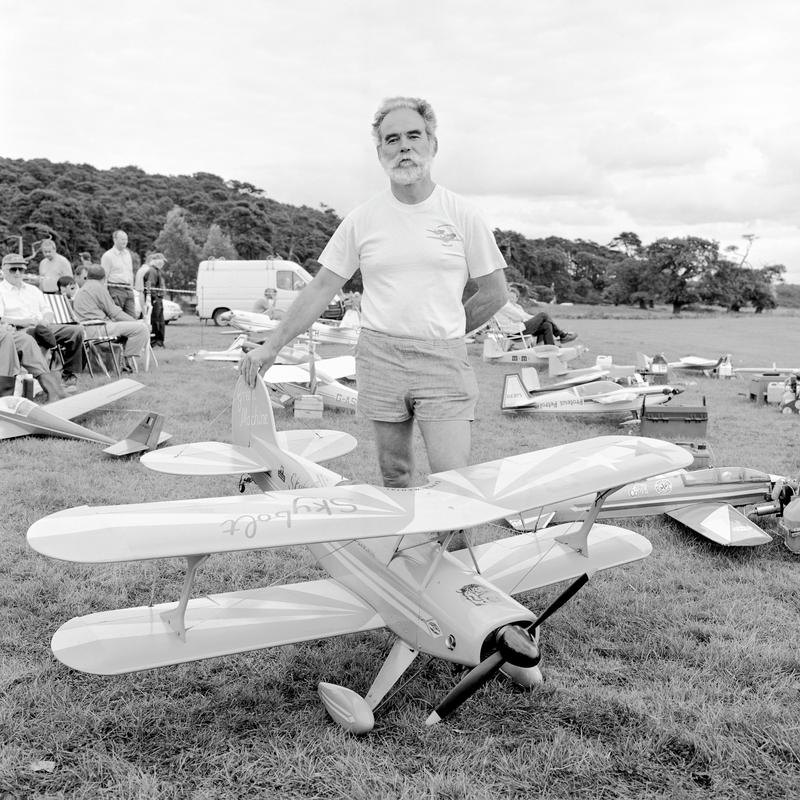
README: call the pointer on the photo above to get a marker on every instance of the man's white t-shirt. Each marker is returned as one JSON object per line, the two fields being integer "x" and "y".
{"x": 415, "y": 261}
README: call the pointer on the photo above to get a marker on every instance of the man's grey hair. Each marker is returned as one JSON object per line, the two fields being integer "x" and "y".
{"x": 422, "y": 107}
{"x": 95, "y": 272}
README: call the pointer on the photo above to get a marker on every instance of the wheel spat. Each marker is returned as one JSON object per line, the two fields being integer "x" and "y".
{"x": 490, "y": 665}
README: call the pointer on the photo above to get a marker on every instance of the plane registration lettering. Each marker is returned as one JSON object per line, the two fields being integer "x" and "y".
{"x": 249, "y": 525}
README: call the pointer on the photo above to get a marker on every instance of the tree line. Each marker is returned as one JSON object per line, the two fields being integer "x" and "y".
{"x": 193, "y": 217}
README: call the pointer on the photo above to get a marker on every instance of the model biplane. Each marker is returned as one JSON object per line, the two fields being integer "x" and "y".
{"x": 595, "y": 397}
{"x": 706, "y": 500}
{"x": 384, "y": 549}
{"x": 22, "y": 417}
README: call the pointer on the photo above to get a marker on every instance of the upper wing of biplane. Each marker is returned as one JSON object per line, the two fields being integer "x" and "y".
{"x": 454, "y": 499}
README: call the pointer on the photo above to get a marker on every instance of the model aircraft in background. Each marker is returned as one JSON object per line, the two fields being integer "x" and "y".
{"x": 602, "y": 368}
{"x": 720, "y": 367}
{"x": 385, "y": 551}
{"x": 321, "y": 377}
{"x": 705, "y": 500}
{"x": 596, "y": 397}
{"x": 22, "y": 417}
{"x": 499, "y": 350}
{"x": 773, "y": 370}
{"x": 259, "y": 326}
{"x": 291, "y": 354}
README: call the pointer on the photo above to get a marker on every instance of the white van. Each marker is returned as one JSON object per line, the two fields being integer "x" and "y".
{"x": 227, "y": 285}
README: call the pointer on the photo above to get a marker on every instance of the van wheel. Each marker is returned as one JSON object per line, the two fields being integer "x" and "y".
{"x": 217, "y": 316}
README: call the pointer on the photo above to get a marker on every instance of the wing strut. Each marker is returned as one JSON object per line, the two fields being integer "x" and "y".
{"x": 579, "y": 540}
{"x": 176, "y": 618}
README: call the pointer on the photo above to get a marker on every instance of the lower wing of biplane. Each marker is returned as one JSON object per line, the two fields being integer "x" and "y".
{"x": 381, "y": 547}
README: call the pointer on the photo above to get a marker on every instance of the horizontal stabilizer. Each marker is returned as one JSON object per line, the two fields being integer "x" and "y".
{"x": 147, "y": 435}
{"x": 721, "y": 523}
{"x": 532, "y": 560}
{"x": 128, "y": 640}
{"x": 203, "y": 458}
{"x": 22, "y": 417}
{"x": 458, "y": 498}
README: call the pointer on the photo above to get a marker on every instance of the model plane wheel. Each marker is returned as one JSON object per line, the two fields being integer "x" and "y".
{"x": 347, "y": 708}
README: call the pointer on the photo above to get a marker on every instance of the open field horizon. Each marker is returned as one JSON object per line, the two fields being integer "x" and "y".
{"x": 674, "y": 677}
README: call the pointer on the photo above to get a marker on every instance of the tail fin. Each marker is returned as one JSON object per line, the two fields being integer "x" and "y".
{"x": 530, "y": 379}
{"x": 514, "y": 394}
{"x": 643, "y": 362}
{"x": 556, "y": 365}
{"x": 251, "y": 414}
{"x": 146, "y": 435}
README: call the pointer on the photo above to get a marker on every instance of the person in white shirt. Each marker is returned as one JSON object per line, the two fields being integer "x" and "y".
{"x": 416, "y": 244}
{"x": 52, "y": 267}
{"x": 512, "y": 318}
{"x": 117, "y": 263}
{"x": 24, "y": 306}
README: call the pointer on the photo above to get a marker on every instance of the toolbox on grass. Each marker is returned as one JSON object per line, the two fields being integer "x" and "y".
{"x": 678, "y": 423}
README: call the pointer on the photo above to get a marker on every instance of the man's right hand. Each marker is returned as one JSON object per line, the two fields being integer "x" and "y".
{"x": 257, "y": 361}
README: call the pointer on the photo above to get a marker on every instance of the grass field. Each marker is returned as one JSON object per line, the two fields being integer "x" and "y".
{"x": 675, "y": 677}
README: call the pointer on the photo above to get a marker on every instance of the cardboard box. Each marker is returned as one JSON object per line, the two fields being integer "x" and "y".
{"x": 675, "y": 423}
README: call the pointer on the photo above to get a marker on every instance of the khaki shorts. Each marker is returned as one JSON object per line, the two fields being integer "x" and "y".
{"x": 399, "y": 378}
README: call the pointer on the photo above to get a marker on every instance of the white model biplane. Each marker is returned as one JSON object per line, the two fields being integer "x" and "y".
{"x": 22, "y": 417}
{"x": 596, "y": 397}
{"x": 384, "y": 549}
{"x": 705, "y": 500}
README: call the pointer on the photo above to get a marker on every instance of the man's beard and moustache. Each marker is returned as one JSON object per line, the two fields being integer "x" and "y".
{"x": 408, "y": 173}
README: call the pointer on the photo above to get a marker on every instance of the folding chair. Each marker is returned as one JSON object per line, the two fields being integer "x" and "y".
{"x": 96, "y": 338}
{"x": 509, "y": 340}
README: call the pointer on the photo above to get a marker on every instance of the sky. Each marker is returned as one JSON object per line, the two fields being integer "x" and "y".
{"x": 572, "y": 118}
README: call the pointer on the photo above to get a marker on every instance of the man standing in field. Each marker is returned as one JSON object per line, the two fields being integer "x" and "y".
{"x": 52, "y": 267}
{"x": 117, "y": 263}
{"x": 416, "y": 245}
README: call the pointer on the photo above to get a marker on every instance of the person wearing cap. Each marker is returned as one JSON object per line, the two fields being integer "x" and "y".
{"x": 154, "y": 287}
{"x": 93, "y": 301}
{"x": 117, "y": 263}
{"x": 24, "y": 306}
{"x": 52, "y": 267}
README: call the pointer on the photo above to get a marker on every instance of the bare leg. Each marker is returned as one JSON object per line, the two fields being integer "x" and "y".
{"x": 447, "y": 443}
{"x": 395, "y": 452}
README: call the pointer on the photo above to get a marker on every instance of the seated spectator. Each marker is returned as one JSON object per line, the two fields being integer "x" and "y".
{"x": 80, "y": 274}
{"x": 25, "y": 307}
{"x": 67, "y": 287}
{"x": 513, "y": 319}
{"x": 266, "y": 305}
{"x": 93, "y": 302}
{"x": 18, "y": 349}
{"x": 52, "y": 267}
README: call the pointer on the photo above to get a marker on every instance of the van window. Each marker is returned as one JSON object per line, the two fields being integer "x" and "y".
{"x": 285, "y": 279}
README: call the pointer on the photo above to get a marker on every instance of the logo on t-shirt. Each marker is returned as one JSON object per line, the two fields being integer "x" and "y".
{"x": 446, "y": 234}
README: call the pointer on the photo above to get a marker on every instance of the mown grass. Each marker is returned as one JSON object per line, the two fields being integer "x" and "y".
{"x": 677, "y": 677}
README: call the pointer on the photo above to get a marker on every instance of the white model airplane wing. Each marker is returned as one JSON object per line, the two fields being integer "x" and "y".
{"x": 287, "y": 373}
{"x": 82, "y": 403}
{"x": 221, "y": 458}
{"x": 721, "y": 523}
{"x": 615, "y": 397}
{"x": 333, "y": 369}
{"x": 113, "y": 642}
{"x": 454, "y": 499}
{"x": 532, "y": 560}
